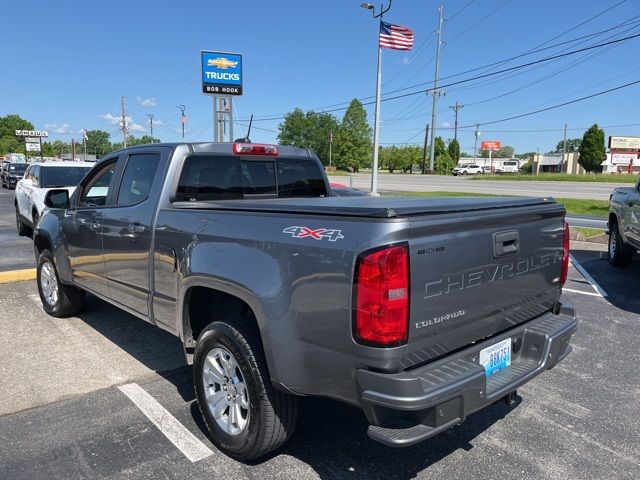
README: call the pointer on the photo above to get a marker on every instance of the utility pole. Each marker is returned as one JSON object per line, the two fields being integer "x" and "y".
{"x": 564, "y": 148}
{"x": 124, "y": 123}
{"x": 455, "y": 108}
{"x": 73, "y": 149}
{"x": 330, "y": 144}
{"x": 436, "y": 93}
{"x": 150, "y": 115}
{"x": 424, "y": 148}
{"x": 182, "y": 117}
{"x": 475, "y": 145}
{"x": 84, "y": 143}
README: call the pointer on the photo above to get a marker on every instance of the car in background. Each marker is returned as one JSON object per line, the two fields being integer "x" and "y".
{"x": 509, "y": 166}
{"x": 467, "y": 169}
{"x": 39, "y": 178}
{"x": 624, "y": 225}
{"x": 488, "y": 169}
{"x": 11, "y": 173}
{"x": 341, "y": 190}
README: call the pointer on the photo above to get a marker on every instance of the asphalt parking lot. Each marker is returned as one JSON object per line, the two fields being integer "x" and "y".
{"x": 67, "y": 411}
{"x": 17, "y": 252}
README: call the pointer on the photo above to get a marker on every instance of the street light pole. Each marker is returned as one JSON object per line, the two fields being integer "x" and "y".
{"x": 475, "y": 145}
{"x": 436, "y": 92}
{"x": 376, "y": 123}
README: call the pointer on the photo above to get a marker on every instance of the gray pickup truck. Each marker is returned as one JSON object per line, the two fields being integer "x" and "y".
{"x": 418, "y": 311}
{"x": 624, "y": 225}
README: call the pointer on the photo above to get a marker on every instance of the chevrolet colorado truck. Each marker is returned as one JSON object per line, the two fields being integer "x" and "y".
{"x": 624, "y": 225}
{"x": 417, "y": 311}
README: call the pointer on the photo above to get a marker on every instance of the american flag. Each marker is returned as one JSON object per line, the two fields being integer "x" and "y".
{"x": 395, "y": 37}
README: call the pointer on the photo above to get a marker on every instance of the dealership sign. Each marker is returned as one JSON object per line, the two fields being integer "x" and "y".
{"x": 624, "y": 142}
{"x": 491, "y": 145}
{"x": 221, "y": 73}
{"x": 31, "y": 133}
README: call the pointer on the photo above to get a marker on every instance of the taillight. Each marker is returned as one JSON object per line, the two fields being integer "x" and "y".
{"x": 255, "y": 149}
{"x": 565, "y": 254}
{"x": 381, "y": 316}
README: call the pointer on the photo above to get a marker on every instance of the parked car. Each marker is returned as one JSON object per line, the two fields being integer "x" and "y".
{"x": 624, "y": 225}
{"x": 38, "y": 179}
{"x": 488, "y": 169}
{"x": 469, "y": 169}
{"x": 11, "y": 173}
{"x": 419, "y": 311}
{"x": 509, "y": 166}
{"x": 341, "y": 190}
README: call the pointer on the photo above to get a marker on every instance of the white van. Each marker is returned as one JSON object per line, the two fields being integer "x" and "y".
{"x": 509, "y": 166}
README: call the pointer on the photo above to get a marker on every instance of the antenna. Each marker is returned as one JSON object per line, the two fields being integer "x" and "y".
{"x": 247, "y": 138}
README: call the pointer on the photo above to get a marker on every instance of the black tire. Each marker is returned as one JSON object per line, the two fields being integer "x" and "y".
{"x": 23, "y": 230}
{"x": 620, "y": 254}
{"x": 272, "y": 414}
{"x": 35, "y": 217}
{"x": 70, "y": 299}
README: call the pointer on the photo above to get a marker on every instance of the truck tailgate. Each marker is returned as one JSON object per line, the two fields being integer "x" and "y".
{"x": 474, "y": 276}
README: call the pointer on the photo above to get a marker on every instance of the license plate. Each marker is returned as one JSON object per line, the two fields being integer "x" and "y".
{"x": 496, "y": 357}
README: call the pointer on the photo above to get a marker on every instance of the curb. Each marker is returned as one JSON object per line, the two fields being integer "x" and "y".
{"x": 18, "y": 275}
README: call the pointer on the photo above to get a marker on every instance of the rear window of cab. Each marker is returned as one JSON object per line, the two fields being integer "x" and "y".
{"x": 218, "y": 177}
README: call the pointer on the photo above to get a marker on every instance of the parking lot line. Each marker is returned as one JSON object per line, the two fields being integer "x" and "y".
{"x": 18, "y": 275}
{"x": 178, "y": 434}
{"x": 587, "y": 276}
{"x": 591, "y": 294}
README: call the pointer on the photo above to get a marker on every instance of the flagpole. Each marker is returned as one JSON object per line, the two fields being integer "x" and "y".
{"x": 376, "y": 124}
{"x": 376, "y": 121}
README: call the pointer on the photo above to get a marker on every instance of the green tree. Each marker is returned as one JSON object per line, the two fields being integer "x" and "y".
{"x": 454, "y": 150}
{"x": 526, "y": 155}
{"x": 9, "y": 143}
{"x": 443, "y": 162}
{"x": 573, "y": 144}
{"x": 505, "y": 152}
{"x": 308, "y": 130}
{"x": 143, "y": 140}
{"x": 353, "y": 142}
{"x": 98, "y": 142}
{"x": 592, "y": 148}
{"x": 399, "y": 158}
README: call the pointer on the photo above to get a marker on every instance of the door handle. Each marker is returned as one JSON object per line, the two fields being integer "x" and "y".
{"x": 135, "y": 228}
{"x": 506, "y": 243}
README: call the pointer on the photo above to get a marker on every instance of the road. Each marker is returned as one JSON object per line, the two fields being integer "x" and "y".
{"x": 64, "y": 417}
{"x": 438, "y": 183}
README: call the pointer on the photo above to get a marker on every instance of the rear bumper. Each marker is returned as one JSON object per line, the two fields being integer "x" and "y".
{"x": 409, "y": 407}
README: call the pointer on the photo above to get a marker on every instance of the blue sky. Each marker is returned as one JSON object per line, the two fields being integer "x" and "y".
{"x": 66, "y": 64}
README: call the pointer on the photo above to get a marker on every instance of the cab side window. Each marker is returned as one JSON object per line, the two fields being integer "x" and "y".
{"x": 96, "y": 190}
{"x": 137, "y": 178}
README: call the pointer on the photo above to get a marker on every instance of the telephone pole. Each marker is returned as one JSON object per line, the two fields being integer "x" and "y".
{"x": 330, "y": 144}
{"x": 564, "y": 147}
{"x": 150, "y": 115}
{"x": 182, "y": 117}
{"x": 455, "y": 108}
{"x": 436, "y": 92}
{"x": 124, "y": 123}
{"x": 475, "y": 145}
{"x": 424, "y": 148}
{"x": 84, "y": 143}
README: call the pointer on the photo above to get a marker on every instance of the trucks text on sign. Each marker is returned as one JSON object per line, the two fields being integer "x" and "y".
{"x": 221, "y": 73}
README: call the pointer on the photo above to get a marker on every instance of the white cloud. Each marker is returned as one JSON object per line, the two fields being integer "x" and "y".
{"x": 406, "y": 61}
{"x": 61, "y": 128}
{"x": 147, "y": 102}
{"x": 446, "y": 124}
{"x": 131, "y": 125}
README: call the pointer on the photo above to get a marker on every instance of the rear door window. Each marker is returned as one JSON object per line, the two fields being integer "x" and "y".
{"x": 137, "y": 178}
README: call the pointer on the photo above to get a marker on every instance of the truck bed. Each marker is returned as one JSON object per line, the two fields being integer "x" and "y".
{"x": 371, "y": 207}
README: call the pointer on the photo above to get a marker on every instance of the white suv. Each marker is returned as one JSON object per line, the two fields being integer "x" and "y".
{"x": 471, "y": 169}
{"x": 39, "y": 178}
{"x": 509, "y": 166}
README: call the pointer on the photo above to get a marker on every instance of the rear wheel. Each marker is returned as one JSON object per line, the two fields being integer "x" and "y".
{"x": 246, "y": 416}
{"x": 58, "y": 299}
{"x": 620, "y": 254}
{"x": 35, "y": 217}
{"x": 23, "y": 230}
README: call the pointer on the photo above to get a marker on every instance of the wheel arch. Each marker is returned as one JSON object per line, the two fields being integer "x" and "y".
{"x": 205, "y": 300}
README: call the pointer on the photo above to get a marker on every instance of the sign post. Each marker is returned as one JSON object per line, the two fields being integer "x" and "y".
{"x": 222, "y": 79}
{"x": 492, "y": 146}
{"x": 33, "y": 139}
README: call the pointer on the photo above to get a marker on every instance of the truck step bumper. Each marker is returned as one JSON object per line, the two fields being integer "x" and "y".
{"x": 411, "y": 406}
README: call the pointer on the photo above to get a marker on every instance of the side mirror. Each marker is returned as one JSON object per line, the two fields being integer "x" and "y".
{"x": 57, "y": 198}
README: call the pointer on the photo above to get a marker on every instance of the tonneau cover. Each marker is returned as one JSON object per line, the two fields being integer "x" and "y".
{"x": 374, "y": 207}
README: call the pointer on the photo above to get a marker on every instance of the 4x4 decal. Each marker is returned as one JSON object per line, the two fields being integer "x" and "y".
{"x": 330, "y": 234}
